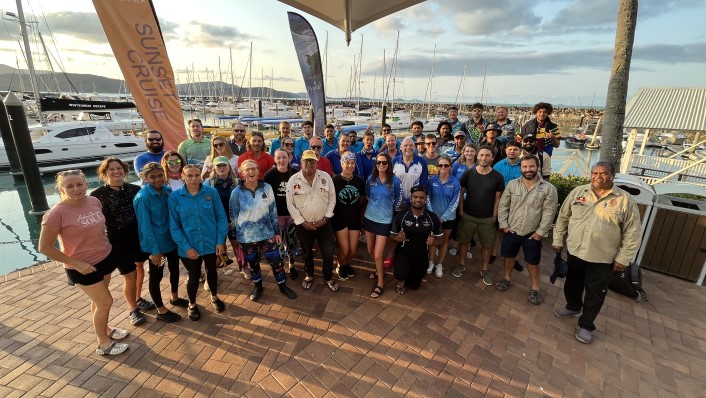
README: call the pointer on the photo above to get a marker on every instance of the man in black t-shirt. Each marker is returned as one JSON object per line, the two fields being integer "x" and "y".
{"x": 415, "y": 229}
{"x": 482, "y": 187}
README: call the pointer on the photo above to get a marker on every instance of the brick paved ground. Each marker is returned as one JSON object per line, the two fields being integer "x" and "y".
{"x": 453, "y": 337}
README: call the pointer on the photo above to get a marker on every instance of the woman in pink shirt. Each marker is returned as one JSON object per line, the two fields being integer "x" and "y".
{"x": 78, "y": 223}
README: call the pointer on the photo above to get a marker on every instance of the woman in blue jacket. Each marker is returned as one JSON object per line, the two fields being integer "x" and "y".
{"x": 444, "y": 194}
{"x": 384, "y": 193}
{"x": 152, "y": 212}
{"x": 254, "y": 213}
{"x": 199, "y": 226}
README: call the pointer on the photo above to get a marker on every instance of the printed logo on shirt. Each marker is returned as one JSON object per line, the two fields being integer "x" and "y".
{"x": 208, "y": 198}
{"x": 408, "y": 223}
{"x": 426, "y": 223}
{"x": 297, "y": 187}
{"x": 264, "y": 196}
{"x": 612, "y": 202}
{"x": 581, "y": 199}
{"x": 86, "y": 220}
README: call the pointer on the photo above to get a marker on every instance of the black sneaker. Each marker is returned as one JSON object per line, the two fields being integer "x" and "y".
{"x": 136, "y": 318}
{"x": 145, "y": 305}
{"x": 194, "y": 313}
{"x": 293, "y": 273}
{"x": 342, "y": 273}
{"x": 168, "y": 317}
{"x": 349, "y": 270}
{"x": 179, "y": 302}
{"x": 218, "y": 305}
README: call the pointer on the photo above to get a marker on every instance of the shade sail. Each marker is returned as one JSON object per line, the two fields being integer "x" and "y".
{"x": 350, "y": 15}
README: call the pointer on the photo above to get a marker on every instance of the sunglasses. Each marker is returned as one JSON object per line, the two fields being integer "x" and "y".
{"x": 430, "y": 143}
{"x": 315, "y": 147}
{"x": 289, "y": 145}
{"x": 460, "y": 137}
{"x": 381, "y": 163}
{"x": 238, "y": 131}
{"x": 154, "y": 139}
{"x": 218, "y": 145}
{"x": 528, "y": 141}
{"x": 174, "y": 161}
{"x": 444, "y": 166}
{"x": 386, "y": 130}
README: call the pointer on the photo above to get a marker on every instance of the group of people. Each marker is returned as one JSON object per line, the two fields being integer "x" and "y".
{"x": 412, "y": 203}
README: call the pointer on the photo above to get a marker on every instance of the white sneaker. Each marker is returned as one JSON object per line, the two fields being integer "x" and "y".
{"x": 453, "y": 251}
{"x": 246, "y": 273}
{"x": 439, "y": 271}
{"x": 469, "y": 255}
{"x": 431, "y": 267}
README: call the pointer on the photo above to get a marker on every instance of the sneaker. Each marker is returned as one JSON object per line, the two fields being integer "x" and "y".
{"x": 342, "y": 273}
{"x": 469, "y": 255}
{"x": 349, "y": 269}
{"x": 145, "y": 305}
{"x": 168, "y": 317}
{"x": 566, "y": 313}
{"x": 458, "y": 270}
{"x": 453, "y": 251}
{"x": 503, "y": 285}
{"x": 584, "y": 335}
{"x": 246, "y": 273}
{"x": 136, "y": 317}
{"x": 487, "y": 279}
{"x": 218, "y": 305}
{"x": 430, "y": 268}
{"x": 205, "y": 287}
{"x": 194, "y": 313}
{"x": 361, "y": 239}
{"x": 179, "y": 302}
{"x": 293, "y": 273}
{"x": 439, "y": 271}
{"x": 113, "y": 349}
{"x": 534, "y": 297}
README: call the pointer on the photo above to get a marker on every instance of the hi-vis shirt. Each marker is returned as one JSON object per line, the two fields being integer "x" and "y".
{"x": 600, "y": 230}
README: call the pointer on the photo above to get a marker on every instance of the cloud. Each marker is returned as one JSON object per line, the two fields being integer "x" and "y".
{"x": 483, "y": 18}
{"x": 87, "y": 53}
{"x": 389, "y": 25}
{"x": 213, "y": 36}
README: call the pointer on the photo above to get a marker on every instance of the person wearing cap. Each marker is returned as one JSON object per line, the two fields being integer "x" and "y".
{"x": 257, "y": 153}
{"x": 476, "y": 124}
{"x": 302, "y": 143}
{"x": 414, "y": 230}
{"x": 334, "y": 157}
{"x": 491, "y": 139}
{"x": 238, "y": 143}
{"x": 459, "y": 142}
{"x": 525, "y": 216}
{"x": 529, "y": 147}
{"x": 545, "y": 131}
{"x": 347, "y": 215}
{"x": 601, "y": 225}
{"x": 316, "y": 144}
{"x": 311, "y": 198}
{"x": 284, "y": 129}
{"x": 253, "y": 212}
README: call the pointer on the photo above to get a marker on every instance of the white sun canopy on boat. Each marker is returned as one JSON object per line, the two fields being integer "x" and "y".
{"x": 350, "y": 15}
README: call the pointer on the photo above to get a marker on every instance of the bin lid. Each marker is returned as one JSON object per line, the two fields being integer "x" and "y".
{"x": 640, "y": 190}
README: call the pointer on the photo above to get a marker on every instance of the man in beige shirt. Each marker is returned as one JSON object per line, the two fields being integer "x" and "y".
{"x": 311, "y": 198}
{"x": 601, "y": 224}
{"x": 525, "y": 215}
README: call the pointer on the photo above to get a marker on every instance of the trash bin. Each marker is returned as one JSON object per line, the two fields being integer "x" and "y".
{"x": 644, "y": 195}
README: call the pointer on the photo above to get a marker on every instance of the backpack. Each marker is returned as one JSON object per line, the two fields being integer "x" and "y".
{"x": 629, "y": 283}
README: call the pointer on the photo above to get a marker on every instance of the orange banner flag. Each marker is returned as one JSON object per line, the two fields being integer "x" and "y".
{"x": 136, "y": 39}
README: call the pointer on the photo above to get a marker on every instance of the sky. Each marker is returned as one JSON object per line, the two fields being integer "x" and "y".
{"x": 514, "y": 51}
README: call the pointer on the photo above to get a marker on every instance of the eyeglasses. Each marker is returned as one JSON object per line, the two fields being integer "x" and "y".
{"x": 381, "y": 163}
{"x": 174, "y": 161}
{"x": 316, "y": 147}
{"x": 70, "y": 172}
{"x": 220, "y": 144}
{"x": 288, "y": 145}
{"x": 238, "y": 131}
{"x": 444, "y": 166}
{"x": 430, "y": 143}
{"x": 154, "y": 139}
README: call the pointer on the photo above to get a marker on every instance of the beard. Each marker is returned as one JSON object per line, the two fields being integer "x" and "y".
{"x": 156, "y": 148}
{"x": 529, "y": 175}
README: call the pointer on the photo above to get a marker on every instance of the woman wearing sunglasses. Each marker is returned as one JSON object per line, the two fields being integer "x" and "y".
{"x": 173, "y": 163}
{"x": 288, "y": 146}
{"x": 444, "y": 194}
{"x": 219, "y": 147}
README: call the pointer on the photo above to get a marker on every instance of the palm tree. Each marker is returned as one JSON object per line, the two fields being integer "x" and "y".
{"x": 611, "y": 149}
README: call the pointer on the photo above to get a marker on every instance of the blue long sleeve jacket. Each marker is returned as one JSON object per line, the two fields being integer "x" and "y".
{"x": 197, "y": 221}
{"x": 364, "y": 166}
{"x": 152, "y": 211}
{"x": 300, "y": 145}
{"x": 443, "y": 197}
{"x": 383, "y": 199}
{"x": 254, "y": 213}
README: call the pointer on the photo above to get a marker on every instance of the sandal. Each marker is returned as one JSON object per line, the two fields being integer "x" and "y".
{"x": 377, "y": 292}
{"x": 400, "y": 290}
{"x": 332, "y": 285}
{"x": 373, "y": 275}
{"x": 118, "y": 334}
{"x": 113, "y": 349}
{"x": 308, "y": 282}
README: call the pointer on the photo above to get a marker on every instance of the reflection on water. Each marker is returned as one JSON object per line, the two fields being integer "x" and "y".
{"x": 19, "y": 231}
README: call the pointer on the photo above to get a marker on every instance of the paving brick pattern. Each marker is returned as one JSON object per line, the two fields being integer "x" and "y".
{"x": 454, "y": 337}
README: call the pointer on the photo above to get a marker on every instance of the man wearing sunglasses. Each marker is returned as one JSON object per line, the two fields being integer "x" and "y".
{"x": 155, "y": 150}
{"x": 529, "y": 147}
{"x": 237, "y": 142}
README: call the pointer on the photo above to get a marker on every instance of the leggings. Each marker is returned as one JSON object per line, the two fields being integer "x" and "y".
{"x": 252, "y": 259}
{"x": 157, "y": 272}
{"x": 194, "y": 269}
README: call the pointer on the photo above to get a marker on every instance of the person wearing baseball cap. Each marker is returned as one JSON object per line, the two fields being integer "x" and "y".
{"x": 459, "y": 142}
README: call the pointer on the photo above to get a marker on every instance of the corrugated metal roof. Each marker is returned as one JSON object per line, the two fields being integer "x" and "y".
{"x": 668, "y": 109}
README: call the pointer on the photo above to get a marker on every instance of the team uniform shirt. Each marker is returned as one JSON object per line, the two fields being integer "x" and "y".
{"x": 528, "y": 210}
{"x": 410, "y": 176}
{"x": 81, "y": 230}
{"x": 508, "y": 170}
{"x": 264, "y": 162}
{"x": 383, "y": 199}
{"x": 224, "y": 187}
{"x": 416, "y": 230}
{"x": 349, "y": 199}
{"x": 275, "y": 145}
{"x": 363, "y": 165}
{"x": 309, "y": 203}
{"x": 480, "y": 192}
{"x": 195, "y": 152}
{"x": 152, "y": 210}
{"x": 451, "y": 152}
{"x": 328, "y": 147}
{"x": 197, "y": 221}
{"x": 301, "y": 145}
{"x": 334, "y": 157}
{"x": 457, "y": 169}
{"x": 356, "y": 147}
{"x": 443, "y": 197}
{"x": 600, "y": 230}
{"x": 295, "y": 162}
{"x": 254, "y": 213}
{"x": 142, "y": 159}
{"x": 278, "y": 182}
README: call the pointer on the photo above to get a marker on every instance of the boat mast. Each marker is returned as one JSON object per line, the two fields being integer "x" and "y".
{"x": 394, "y": 75}
{"x": 360, "y": 72}
{"x": 232, "y": 78}
{"x": 250, "y": 84}
{"x": 51, "y": 67}
{"x": 460, "y": 85}
{"x": 429, "y": 85}
{"x": 28, "y": 57}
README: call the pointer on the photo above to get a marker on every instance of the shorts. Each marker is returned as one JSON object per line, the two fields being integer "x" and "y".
{"x": 376, "y": 228}
{"x": 345, "y": 221}
{"x": 128, "y": 241}
{"x": 485, "y": 227}
{"x": 447, "y": 225}
{"x": 115, "y": 260}
{"x": 511, "y": 243}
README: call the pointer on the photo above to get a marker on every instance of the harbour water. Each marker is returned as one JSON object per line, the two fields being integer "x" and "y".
{"x": 19, "y": 231}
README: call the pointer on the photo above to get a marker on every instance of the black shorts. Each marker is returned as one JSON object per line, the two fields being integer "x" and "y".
{"x": 341, "y": 222}
{"x": 447, "y": 225}
{"x": 376, "y": 227}
{"x": 128, "y": 241}
{"x": 115, "y": 260}
{"x": 511, "y": 244}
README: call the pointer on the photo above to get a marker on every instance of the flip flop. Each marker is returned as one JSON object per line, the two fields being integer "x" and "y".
{"x": 332, "y": 285}
{"x": 308, "y": 282}
{"x": 377, "y": 292}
